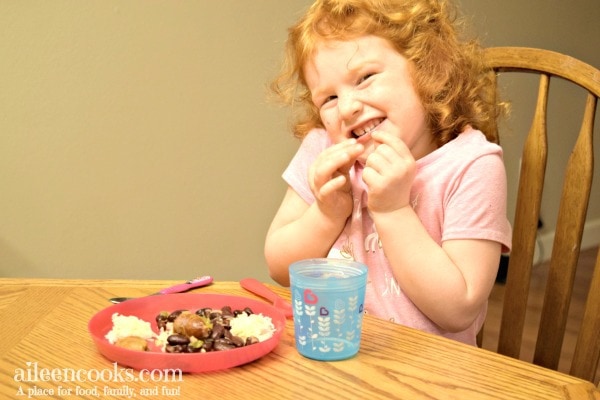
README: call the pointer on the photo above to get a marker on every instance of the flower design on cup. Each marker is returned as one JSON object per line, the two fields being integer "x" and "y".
{"x": 310, "y": 297}
{"x": 352, "y": 303}
{"x": 324, "y": 326}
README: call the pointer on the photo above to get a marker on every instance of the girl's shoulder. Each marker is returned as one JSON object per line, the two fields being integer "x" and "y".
{"x": 475, "y": 139}
{"x": 469, "y": 143}
{"x": 468, "y": 147}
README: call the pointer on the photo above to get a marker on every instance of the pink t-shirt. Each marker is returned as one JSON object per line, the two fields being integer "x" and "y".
{"x": 459, "y": 193}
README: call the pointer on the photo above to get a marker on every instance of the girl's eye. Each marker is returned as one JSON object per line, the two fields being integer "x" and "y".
{"x": 328, "y": 99}
{"x": 365, "y": 77}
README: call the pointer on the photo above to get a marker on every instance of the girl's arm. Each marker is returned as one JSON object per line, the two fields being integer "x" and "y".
{"x": 450, "y": 283}
{"x": 301, "y": 231}
{"x": 298, "y": 231}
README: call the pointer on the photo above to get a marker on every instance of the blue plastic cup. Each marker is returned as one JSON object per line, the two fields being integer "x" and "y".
{"x": 328, "y": 298}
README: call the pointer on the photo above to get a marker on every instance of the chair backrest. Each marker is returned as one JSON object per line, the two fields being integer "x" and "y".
{"x": 570, "y": 222}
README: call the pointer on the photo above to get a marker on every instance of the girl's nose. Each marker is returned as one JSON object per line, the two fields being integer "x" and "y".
{"x": 349, "y": 106}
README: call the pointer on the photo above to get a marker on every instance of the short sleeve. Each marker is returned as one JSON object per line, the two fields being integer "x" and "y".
{"x": 476, "y": 206}
{"x": 296, "y": 174}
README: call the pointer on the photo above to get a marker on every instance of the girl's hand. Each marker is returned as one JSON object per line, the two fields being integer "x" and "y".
{"x": 389, "y": 173}
{"x": 329, "y": 179}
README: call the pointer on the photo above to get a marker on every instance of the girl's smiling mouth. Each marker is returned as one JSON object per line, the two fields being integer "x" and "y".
{"x": 368, "y": 127}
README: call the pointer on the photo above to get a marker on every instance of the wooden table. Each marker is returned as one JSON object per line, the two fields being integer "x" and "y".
{"x": 44, "y": 328}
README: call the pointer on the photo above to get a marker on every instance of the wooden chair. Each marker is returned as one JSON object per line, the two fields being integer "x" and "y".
{"x": 571, "y": 218}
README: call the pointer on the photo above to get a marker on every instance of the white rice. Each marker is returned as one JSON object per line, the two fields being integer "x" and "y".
{"x": 124, "y": 326}
{"x": 256, "y": 325}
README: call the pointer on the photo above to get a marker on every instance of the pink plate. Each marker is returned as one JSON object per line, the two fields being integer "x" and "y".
{"x": 147, "y": 308}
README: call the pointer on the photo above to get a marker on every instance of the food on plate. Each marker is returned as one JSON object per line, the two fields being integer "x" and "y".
{"x": 133, "y": 343}
{"x": 188, "y": 324}
{"x": 184, "y": 331}
{"x": 252, "y": 326}
{"x": 210, "y": 329}
{"x": 129, "y": 325}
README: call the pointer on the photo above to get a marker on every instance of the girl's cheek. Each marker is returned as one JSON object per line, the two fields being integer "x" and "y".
{"x": 326, "y": 121}
{"x": 329, "y": 127}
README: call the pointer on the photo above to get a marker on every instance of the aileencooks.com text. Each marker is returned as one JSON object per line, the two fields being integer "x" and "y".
{"x": 32, "y": 373}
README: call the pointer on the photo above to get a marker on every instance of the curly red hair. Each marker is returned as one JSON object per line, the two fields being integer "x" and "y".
{"x": 449, "y": 73}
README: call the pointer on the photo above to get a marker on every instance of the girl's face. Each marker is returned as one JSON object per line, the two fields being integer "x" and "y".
{"x": 362, "y": 85}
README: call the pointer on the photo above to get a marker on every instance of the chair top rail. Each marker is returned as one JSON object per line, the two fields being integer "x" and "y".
{"x": 547, "y": 61}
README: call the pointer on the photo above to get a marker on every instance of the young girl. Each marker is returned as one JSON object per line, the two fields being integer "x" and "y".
{"x": 392, "y": 170}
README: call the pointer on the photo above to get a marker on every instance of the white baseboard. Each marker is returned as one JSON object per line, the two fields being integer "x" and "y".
{"x": 591, "y": 238}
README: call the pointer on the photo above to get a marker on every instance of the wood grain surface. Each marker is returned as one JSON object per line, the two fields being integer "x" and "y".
{"x": 44, "y": 329}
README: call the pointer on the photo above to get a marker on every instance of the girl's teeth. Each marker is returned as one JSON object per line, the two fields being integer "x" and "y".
{"x": 366, "y": 130}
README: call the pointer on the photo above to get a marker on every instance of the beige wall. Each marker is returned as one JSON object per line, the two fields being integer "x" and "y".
{"x": 136, "y": 140}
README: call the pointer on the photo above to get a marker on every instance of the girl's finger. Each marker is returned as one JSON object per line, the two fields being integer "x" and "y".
{"x": 391, "y": 140}
{"x": 333, "y": 185}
